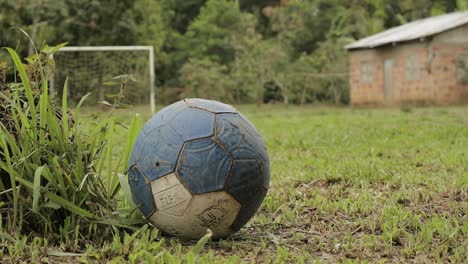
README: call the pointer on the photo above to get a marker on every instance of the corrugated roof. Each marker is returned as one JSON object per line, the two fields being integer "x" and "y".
{"x": 413, "y": 30}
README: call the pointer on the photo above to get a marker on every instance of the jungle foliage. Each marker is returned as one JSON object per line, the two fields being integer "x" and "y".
{"x": 236, "y": 51}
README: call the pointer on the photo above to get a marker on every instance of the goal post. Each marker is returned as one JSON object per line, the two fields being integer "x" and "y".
{"x": 88, "y": 67}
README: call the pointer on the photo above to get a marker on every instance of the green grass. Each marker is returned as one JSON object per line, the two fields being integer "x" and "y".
{"x": 46, "y": 169}
{"x": 56, "y": 181}
{"x": 348, "y": 185}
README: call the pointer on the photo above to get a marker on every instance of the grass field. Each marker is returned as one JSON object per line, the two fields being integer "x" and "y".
{"x": 348, "y": 185}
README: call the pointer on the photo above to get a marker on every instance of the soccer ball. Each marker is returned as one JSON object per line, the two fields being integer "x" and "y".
{"x": 199, "y": 164}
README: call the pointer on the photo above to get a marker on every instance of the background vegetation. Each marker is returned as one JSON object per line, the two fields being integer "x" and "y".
{"x": 236, "y": 51}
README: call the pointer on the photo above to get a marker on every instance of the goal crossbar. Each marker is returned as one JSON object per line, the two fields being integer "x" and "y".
{"x": 150, "y": 49}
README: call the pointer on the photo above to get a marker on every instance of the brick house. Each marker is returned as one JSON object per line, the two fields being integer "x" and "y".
{"x": 425, "y": 61}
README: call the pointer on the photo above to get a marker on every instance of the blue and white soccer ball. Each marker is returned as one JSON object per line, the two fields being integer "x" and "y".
{"x": 199, "y": 164}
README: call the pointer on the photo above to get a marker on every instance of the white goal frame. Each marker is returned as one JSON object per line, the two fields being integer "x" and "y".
{"x": 150, "y": 50}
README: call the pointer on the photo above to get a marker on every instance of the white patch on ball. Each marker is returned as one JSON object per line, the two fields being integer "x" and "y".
{"x": 182, "y": 214}
{"x": 170, "y": 196}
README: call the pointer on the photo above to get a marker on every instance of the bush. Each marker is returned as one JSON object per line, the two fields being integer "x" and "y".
{"x": 54, "y": 178}
{"x": 207, "y": 79}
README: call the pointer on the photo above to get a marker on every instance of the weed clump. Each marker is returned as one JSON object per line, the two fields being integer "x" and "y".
{"x": 53, "y": 176}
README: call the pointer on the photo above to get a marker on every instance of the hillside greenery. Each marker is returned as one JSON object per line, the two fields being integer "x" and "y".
{"x": 236, "y": 51}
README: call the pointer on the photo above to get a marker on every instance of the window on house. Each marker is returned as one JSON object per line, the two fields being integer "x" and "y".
{"x": 462, "y": 68}
{"x": 412, "y": 68}
{"x": 367, "y": 72}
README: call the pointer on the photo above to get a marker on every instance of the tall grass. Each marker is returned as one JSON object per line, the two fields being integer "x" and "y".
{"x": 55, "y": 178}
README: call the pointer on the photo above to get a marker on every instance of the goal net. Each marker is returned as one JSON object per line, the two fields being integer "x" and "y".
{"x": 89, "y": 68}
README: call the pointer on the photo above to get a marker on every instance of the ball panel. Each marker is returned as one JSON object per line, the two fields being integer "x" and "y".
{"x": 158, "y": 163}
{"x": 141, "y": 191}
{"x": 216, "y": 210}
{"x": 170, "y": 196}
{"x": 137, "y": 149}
{"x": 208, "y": 105}
{"x": 193, "y": 123}
{"x": 171, "y": 224}
{"x": 254, "y": 136}
{"x": 252, "y": 128}
{"x": 229, "y": 130}
{"x": 265, "y": 164}
{"x": 250, "y": 148}
{"x": 245, "y": 181}
{"x": 248, "y": 210}
{"x": 265, "y": 171}
{"x": 163, "y": 117}
{"x": 240, "y": 137}
{"x": 203, "y": 166}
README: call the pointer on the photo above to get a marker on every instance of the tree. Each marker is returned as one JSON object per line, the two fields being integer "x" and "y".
{"x": 244, "y": 39}
{"x": 152, "y": 24}
{"x": 264, "y": 62}
{"x": 35, "y": 17}
{"x": 301, "y": 25}
{"x": 254, "y": 4}
{"x": 461, "y": 5}
{"x": 185, "y": 11}
{"x": 306, "y": 87}
{"x": 207, "y": 35}
{"x": 207, "y": 79}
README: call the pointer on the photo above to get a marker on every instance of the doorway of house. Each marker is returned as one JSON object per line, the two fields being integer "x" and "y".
{"x": 388, "y": 81}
